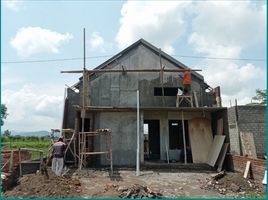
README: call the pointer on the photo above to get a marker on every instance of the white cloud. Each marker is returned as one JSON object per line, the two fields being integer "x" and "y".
{"x": 35, "y": 40}
{"x": 160, "y": 22}
{"x": 30, "y": 109}
{"x": 225, "y": 29}
{"x": 96, "y": 41}
{"x": 14, "y": 5}
{"x": 218, "y": 34}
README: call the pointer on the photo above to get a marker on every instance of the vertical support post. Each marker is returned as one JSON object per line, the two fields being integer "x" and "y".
{"x": 218, "y": 96}
{"x": 111, "y": 153}
{"x": 138, "y": 136}
{"x": 184, "y": 140}
{"x": 41, "y": 160}
{"x": 83, "y": 111}
{"x": 79, "y": 150}
{"x": 20, "y": 163}
{"x": 77, "y": 139}
{"x": 238, "y": 130}
{"x": 167, "y": 151}
{"x": 74, "y": 142}
{"x": 11, "y": 161}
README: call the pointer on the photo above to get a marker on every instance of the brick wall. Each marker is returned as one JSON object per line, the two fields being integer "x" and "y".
{"x": 25, "y": 155}
{"x": 13, "y": 175}
{"x": 250, "y": 119}
{"x": 258, "y": 166}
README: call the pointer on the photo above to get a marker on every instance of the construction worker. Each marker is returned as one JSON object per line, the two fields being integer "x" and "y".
{"x": 57, "y": 156}
{"x": 187, "y": 82}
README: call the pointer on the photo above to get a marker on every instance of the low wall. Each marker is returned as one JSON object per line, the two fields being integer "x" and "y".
{"x": 25, "y": 155}
{"x": 12, "y": 173}
{"x": 258, "y": 166}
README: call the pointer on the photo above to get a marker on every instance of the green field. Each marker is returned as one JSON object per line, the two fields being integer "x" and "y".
{"x": 16, "y": 142}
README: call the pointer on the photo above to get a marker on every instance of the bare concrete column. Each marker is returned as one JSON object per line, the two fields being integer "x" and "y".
{"x": 218, "y": 96}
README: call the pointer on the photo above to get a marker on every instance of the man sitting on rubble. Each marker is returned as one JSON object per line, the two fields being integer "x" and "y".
{"x": 58, "y": 155}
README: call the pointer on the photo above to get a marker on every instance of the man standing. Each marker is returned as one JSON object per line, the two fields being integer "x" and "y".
{"x": 58, "y": 155}
{"x": 187, "y": 82}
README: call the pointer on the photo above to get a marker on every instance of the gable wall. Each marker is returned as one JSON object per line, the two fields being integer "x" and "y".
{"x": 118, "y": 89}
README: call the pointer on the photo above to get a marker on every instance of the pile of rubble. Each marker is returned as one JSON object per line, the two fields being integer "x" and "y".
{"x": 232, "y": 183}
{"x": 138, "y": 191}
{"x": 41, "y": 186}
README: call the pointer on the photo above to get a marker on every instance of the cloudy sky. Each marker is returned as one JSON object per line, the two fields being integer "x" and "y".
{"x": 52, "y": 30}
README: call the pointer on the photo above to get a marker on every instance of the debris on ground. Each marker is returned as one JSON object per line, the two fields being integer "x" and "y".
{"x": 41, "y": 186}
{"x": 138, "y": 191}
{"x": 234, "y": 183}
{"x": 218, "y": 176}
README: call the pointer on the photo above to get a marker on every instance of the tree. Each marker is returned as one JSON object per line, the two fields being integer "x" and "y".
{"x": 260, "y": 97}
{"x": 6, "y": 133}
{"x": 3, "y": 113}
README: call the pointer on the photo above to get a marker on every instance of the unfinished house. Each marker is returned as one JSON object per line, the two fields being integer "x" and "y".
{"x": 194, "y": 131}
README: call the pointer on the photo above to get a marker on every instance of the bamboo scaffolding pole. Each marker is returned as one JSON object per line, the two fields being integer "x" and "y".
{"x": 83, "y": 104}
{"x": 184, "y": 140}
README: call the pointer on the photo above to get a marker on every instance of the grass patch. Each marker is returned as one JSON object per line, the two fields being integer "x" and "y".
{"x": 42, "y": 145}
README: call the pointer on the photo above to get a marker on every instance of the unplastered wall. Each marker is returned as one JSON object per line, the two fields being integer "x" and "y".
{"x": 124, "y": 136}
{"x": 72, "y": 99}
{"x": 119, "y": 89}
{"x": 253, "y": 119}
{"x": 250, "y": 119}
{"x": 258, "y": 166}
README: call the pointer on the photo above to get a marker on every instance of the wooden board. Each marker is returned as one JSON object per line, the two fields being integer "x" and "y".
{"x": 215, "y": 149}
{"x": 247, "y": 169}
{"x": 221, "y": 157}
{"x": 264, "y": 181}
{"x": 200, "y": 134}
{"x": 248, "y": 145}
{"x": 220, "y": 126}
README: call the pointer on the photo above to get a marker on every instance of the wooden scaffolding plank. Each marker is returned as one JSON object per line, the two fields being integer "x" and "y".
{"x": 215, "y": 149}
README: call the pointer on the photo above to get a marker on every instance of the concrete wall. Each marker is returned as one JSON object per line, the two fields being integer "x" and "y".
{"x": 124, "y": 129}
{"x": 124, "y": 136}
{"x": 72, "y": 99}
{"x": 250, "y": 119}
{"x": 118, "y": 89}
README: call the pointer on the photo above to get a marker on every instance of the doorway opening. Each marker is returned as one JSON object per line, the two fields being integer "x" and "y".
{"x": 151, "y": 140}
{"x": 176, "y": 146}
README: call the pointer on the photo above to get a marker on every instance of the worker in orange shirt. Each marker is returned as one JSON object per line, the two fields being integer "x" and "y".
{"x": 187, "y": 80}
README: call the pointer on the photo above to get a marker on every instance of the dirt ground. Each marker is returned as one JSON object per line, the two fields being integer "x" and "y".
{"x": 38, "y": 186}
{"x": 171, "y": 184}
{"x": 97, "y": 183}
